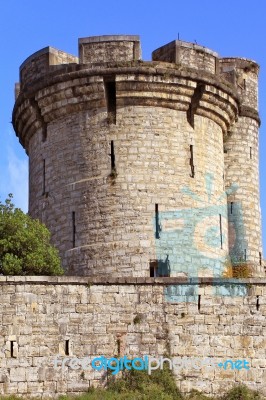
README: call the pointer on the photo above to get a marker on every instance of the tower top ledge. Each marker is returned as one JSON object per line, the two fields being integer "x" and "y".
{"x": 126, "y": 48}
{"x": 190, "y": 45}
{"x": 49, "y": 50}
{"x": 121, "y": 54}
{"x": 110, "y": 38}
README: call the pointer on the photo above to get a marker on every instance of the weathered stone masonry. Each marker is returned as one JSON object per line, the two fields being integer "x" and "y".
{"x": 42, "y": 317}
{"x": 135, "y": 165}
{"x": 112, "y": 138}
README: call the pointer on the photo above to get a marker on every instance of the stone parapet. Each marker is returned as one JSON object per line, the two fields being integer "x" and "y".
{"x": 76, "y": 317}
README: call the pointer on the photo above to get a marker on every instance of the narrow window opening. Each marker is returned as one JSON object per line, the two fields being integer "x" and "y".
{"x": 157, "y": 227}
{"x": 43, "y": 177}
{"x": 245, "y": 254}
{"x": 44, "y": 132}
{"x": 110, "y": 95}
{"x": 112, "y": 156}
{"x": 250, "y": 153}
{"x": 260, "y": 256}
{"x": 153, "y": 268}
{"x": 199, "y": 300}
{"x": 192, "y": 161}
{"x": 221, "y": 230}
{"x": 67, "y": 347}
{"x": 73, "y": 229}
{"x": 232, "y": 203}
{"x": 12, "y": 345}
{"x": 152, "y": 271}
{"x": 160, "y": 268}
{"x": 118, "y": 347}
{"x": 258, "y": 303}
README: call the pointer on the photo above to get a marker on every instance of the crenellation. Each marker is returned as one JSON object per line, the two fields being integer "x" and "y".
{"x": 102, "y": 49}
{"x": 245, "y": 78}
{"x": 38, "y": 64}
{"x": 187, "y": 54}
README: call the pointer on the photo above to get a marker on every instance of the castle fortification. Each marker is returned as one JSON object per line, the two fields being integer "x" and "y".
{"x": 146, "y": 173}
{"x": 143, "y": 168}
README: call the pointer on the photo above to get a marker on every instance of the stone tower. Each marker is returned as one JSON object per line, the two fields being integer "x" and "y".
{"x": 143, "y": 168}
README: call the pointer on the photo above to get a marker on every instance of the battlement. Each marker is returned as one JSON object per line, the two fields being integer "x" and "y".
{"x": 243, "y": 74}
{"x": 107, "y": 124}
{"x": 188, "y": 54}
{"x": 99, "y": 49}
{"x": 38, "y": 64}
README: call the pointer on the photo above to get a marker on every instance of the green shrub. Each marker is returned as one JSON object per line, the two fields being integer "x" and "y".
{"x": 158, "y": 383}
{"x": 25, "y": 247}
{"x": 241, "y": 393}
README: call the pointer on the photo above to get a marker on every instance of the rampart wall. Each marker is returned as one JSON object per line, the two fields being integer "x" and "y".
{"x": 133, "y": 317}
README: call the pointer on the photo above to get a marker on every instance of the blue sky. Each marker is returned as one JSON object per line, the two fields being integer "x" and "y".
{"x": 232, "y": 28}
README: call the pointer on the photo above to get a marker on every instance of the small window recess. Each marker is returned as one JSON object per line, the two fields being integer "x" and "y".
{"x": 221, "y": 229}
{"x": 43, "y": 177}
{"x": 44, "y": 132}
{"x": 113, "y": 173}
{"x": 192, "y": 167}
{"x": 12, "y": 348}
{"x": 118, "y": 346}
{"x": 67, "y": 347}
{"x": 153, "y": 268}
{"x": 157, "y": 225}
{"x": 73, "y": 229}
{"x": 112, "y": 155}
{"x": 160, "y": 268}
{"x": 258, "y": 303}
{"x": 199, "y": 302}
{"x": 110, "y": 96}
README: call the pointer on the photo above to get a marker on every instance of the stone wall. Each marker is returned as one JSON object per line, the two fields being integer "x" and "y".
{"x": 38, "y": 64}
{"x": 128, "y": 162}
{"x": 99, "y": 49}
{"x": 241, "y": 152}
{"x": 146, "y": 163}
{"x": 243, "y": 143}
{"x": 184, "y": 53}
{"x": 133, "y": 317}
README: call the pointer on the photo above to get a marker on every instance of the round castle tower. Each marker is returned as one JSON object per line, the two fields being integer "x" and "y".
{"x": 130, "y": 160}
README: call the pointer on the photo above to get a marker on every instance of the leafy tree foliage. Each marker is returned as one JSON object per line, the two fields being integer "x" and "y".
{"x": 25, "y": 247}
